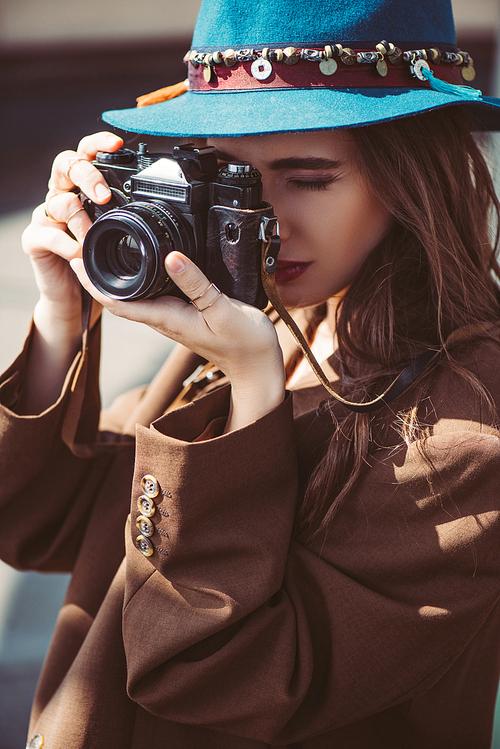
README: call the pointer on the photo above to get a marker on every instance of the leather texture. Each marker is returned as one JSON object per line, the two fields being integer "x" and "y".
{"x": 235, "y": 267}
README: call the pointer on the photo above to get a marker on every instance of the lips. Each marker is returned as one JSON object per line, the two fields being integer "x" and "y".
{"x": 289, "y": 270}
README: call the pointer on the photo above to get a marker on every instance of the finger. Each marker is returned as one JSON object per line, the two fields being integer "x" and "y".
{"x": 170, "y": 316}
{"x": 38, "y": 239}
{"x": 190, "y": 280}
{"x": 112, "y": 305}
{"x": 145, "y": 310}
{"x": 103, "y": 141}
{"x": 67, "y": 209}
{"x": 73, "y": 168}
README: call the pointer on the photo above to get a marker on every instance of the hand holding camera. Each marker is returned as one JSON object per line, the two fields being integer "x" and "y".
{"x": 235, "y": 335}
{"x": 181, "y": 202}
{"x": 50, "y": 246}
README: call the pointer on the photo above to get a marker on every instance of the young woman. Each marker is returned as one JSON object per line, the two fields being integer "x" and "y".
{"x": 296, "y": 571}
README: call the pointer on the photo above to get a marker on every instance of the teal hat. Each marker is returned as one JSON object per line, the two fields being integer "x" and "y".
{"x": 258, "y": 67}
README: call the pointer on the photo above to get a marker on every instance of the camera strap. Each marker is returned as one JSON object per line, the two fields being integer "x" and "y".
{"x": 270, "y": 249}
{"x": 86, "y": 310}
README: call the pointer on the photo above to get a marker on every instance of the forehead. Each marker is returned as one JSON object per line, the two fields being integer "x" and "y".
{"x": 331, "y": 144}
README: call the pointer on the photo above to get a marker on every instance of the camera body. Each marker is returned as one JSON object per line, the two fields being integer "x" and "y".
{"x": 163, "y": 202}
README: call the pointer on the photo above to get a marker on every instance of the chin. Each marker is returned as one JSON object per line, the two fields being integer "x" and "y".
{"x": 294, "y": 301}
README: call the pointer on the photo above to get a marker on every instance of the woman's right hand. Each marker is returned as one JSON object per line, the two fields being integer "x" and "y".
{"x": 46, "y": 241}
{"x": 50, "y": 247}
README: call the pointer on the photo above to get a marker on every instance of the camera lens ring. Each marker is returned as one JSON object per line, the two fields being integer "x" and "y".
{"x": 150, "y": 231}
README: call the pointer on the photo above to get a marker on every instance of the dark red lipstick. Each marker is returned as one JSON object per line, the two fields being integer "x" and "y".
{"x": 289, "y": 270}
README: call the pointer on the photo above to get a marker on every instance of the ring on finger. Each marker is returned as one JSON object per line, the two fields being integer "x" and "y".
{"x": 47, "y": 212}
{"x": 210, "y": 286}
{"x": 74, "y": 214}
{"x": 71, "y": 165}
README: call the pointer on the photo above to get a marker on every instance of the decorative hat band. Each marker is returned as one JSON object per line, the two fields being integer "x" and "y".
{"x": 331, "y": 66}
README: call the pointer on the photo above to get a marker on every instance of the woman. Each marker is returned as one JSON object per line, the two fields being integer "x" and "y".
{"x": 298, "y": 572}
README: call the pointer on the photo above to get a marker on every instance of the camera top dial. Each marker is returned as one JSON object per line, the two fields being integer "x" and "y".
{"x": 239, "y": 173}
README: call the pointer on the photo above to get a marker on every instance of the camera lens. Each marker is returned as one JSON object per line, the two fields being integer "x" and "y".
{"x": 124, "y": 256}
{"x": 125, "y": 249}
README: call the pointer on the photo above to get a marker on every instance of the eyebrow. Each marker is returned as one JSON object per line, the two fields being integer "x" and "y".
{"x": 294, "y": 162}
{"x": 305, "y": 162}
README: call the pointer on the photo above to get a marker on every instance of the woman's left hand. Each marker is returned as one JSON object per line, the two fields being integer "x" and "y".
{"x": 238, "y": 338}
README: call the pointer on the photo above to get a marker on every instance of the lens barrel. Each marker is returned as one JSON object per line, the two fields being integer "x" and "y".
{"x": 125, "y": 249}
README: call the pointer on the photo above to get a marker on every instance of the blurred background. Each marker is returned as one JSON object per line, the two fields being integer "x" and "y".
{"x": 61, "y": 64}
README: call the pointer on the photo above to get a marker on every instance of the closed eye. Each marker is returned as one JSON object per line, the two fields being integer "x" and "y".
{"x": 313, "y": 183}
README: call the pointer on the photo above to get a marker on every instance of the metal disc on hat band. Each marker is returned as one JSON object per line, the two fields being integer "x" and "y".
{"x": 261, "y": 69}
{"x": 328, "y": 66}
{"x": 468, "y": 73}
{"x": 416, "y": 69}
{"x": 382, "y": 68}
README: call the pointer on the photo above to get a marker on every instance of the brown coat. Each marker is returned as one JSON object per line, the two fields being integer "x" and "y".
{"x": 232, "y": 634}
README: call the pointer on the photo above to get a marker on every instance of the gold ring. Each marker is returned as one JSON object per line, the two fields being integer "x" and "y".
{"x": 71, "y": 165}
{"x": 202, "y": 309}
{"x": 74, "y": 214}
{"x": 47, "y": 213}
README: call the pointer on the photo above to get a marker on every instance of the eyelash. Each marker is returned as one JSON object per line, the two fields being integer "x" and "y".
{"x": 318, "y": 184}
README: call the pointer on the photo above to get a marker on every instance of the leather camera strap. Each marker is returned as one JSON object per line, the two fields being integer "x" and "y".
{"x": 270, "y": 249}
{"x": 86, "y": 311}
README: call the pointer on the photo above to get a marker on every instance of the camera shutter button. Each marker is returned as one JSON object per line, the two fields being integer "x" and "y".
{"x": 122, "y": 156}
{"x": 239, "y": 167}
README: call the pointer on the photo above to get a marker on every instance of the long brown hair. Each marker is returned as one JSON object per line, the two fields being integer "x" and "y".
{"x": 433, "y": 274}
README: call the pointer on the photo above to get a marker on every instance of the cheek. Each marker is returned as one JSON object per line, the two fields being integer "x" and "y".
{"x": 344, "y": 233}
{"x": 358, "y": 223}
{"x": 377, "y": 222}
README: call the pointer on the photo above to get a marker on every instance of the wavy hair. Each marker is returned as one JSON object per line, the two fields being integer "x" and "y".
{"x": 436, "y": 272}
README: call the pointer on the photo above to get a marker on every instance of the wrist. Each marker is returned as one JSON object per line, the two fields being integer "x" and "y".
{"x": 53, "y": 347}
{"x": 255, "y": 395}
{"x": 58, "y": 329}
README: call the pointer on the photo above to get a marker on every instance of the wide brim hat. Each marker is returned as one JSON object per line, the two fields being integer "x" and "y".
{"x": 258, "y": 67}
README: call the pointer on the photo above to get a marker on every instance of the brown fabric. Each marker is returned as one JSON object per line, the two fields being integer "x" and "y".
{"x": 233, "y": 633}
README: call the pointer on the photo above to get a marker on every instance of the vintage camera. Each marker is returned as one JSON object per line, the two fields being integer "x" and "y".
{"x": 163, "y": 202}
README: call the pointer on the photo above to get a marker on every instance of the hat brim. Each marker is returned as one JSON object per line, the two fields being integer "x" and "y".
{"x": 240, "y": 113}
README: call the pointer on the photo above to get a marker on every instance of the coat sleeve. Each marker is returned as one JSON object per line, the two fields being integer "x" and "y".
{"x": 232, "y": 623}
{"x": 50, "y": 467}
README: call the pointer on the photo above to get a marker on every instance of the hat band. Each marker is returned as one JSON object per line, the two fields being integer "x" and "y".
{"x": 332, "y": 66}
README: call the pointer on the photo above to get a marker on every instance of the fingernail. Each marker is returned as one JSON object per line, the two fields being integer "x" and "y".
{"x": 112, "y": 140}
{"x": 101, "y": 191}
{"x": 175, "y": 264}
